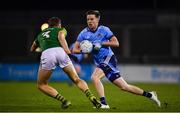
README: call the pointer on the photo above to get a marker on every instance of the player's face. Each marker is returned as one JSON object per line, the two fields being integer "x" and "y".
{"x": 92, "y": 22}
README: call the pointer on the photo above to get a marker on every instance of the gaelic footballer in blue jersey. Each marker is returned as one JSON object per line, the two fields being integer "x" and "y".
{"x": 105, "y": 60}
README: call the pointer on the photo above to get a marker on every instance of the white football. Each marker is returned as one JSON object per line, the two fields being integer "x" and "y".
{"x": 86, "y": 46}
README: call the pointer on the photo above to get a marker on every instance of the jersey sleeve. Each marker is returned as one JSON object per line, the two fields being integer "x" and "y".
{"x": 64, "y": 31}
{"x": 109, "y": 33}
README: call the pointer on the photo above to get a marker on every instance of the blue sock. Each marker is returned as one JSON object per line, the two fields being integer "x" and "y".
{"x": 147, "y": 94}
{"x": 103, "y": 100}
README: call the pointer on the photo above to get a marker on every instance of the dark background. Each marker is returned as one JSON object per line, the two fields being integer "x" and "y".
{"x": 148, "y": 30}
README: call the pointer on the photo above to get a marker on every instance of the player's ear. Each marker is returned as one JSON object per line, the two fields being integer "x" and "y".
{"x": 98, "y": 19}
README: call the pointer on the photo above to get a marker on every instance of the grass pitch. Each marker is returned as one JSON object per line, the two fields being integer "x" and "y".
{"x": 25, "y": 97}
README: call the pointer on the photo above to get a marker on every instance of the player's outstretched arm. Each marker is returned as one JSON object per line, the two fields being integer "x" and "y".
{"x": 113, "y": 42}
{"x": 62, "y": 40}
{"x": 33, "y": 46}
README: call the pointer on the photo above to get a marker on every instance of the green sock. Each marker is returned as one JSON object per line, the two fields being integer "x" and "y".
{"x": 60, "y": 98}
{"x": 88, "y": 93}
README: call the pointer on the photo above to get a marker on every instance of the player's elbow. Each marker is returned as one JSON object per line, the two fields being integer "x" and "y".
{"x": 117, "y": 44}
{"x": 32, "y": 49}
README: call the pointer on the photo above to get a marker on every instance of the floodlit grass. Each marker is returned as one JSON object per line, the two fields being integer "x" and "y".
{"x": 25, "y": 97}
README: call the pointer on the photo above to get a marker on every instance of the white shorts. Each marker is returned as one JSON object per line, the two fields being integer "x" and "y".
{"x": 53, "y": 57}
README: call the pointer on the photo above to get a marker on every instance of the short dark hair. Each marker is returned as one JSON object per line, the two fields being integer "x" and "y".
{"x": 93, "y": 12}
{"x": 54, "y": 21}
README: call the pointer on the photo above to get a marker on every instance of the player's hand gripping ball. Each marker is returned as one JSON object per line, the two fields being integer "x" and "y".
{"x": 86, "y": 46}
{"x": 97, "y": 45}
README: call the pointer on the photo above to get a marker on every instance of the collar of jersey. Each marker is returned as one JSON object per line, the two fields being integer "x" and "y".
{"x": 92, "y": 30}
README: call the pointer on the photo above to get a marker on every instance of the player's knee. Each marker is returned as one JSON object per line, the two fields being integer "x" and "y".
{"x": 40, "y": 86}
{"x": 94, "y": 79}
{"x": 76, "y": 80}
{"x": 124, "y": 87}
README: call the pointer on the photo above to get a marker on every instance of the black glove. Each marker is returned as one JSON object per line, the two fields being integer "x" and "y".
{"x": 72, "y": 57}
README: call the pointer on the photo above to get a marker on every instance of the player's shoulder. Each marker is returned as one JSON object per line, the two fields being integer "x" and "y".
{"x": 102, "y": 27}
{"x": 84, "y": 30}
{"x": 62, "y": 30}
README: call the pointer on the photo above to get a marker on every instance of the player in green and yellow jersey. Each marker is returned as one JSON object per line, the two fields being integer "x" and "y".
{"x": 55, "y": 52}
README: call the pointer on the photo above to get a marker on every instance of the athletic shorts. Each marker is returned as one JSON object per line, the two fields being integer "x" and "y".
{"x": 109, "y": 67}
{"x": 52, "y": 57}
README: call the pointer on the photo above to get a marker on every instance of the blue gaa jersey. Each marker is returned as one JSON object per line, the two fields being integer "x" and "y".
{"x": 102, "y": 34}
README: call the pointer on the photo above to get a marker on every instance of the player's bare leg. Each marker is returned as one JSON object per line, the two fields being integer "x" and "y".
{"x": 81, "y": 84}
{"x": 42, "y": 84}
{"x": 78, "y": 71}
{"x": 121, "y": 83}
{"x": 96, "y": 79}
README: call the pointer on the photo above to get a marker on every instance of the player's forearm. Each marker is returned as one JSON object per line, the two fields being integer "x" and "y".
{"x": 33, "y": 47}
{"x": 75, "y": 50}
{"x": 62, "y": 41}
{"x": 65, "y": 47}
{"x": 111, "y": 44}
{"x": 67, "y": 51}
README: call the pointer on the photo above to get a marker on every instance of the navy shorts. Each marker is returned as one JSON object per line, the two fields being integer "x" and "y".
{"x": 110, "y": 69}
